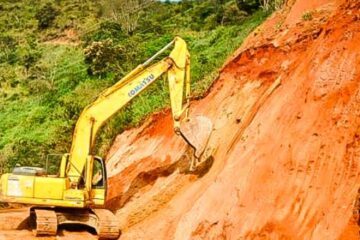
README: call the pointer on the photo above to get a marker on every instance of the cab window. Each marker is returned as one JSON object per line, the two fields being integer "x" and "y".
{"x": 98, "y": 174}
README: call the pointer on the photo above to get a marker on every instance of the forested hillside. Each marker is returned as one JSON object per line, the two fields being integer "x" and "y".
{"x": 56, "y": 56}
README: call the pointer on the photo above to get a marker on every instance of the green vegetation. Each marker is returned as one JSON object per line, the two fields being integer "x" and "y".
{"x": 307, "y": 16}
{"x": 55, "y": 58}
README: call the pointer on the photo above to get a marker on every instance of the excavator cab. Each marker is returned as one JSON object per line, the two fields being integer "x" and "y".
{"x": 98, "y": 182}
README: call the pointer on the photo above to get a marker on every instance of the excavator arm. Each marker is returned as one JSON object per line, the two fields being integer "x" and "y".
{"x": 177, "y": 66}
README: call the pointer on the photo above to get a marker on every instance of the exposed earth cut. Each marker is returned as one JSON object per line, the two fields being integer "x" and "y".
{"x": 285, "y": 146}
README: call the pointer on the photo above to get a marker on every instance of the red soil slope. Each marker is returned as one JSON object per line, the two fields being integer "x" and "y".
{"x": 286, "y": 142}
{"x": 286, "y": 164}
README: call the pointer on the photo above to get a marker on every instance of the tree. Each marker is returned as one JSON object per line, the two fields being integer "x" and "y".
{"x": 126, "y": 12}
{"x": 232, "y": 15}
{"x": 102, "y": 57}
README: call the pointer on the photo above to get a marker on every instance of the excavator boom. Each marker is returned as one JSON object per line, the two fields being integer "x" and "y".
{"x": 195, "y": 131}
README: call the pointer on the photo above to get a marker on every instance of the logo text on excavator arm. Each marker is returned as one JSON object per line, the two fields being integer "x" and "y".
{"x": 141, "y": 85}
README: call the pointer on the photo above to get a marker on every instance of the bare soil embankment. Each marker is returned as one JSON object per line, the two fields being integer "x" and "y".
{"x": 286, "y": 132}
{"x": 286, "y": 141}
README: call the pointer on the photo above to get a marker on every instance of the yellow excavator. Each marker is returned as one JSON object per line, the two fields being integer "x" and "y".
{"x": 76, "y": 195}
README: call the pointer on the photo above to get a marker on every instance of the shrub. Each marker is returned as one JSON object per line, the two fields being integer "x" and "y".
{"x": 248, "y": 6}
{"x": 14, "y": 82}
{"x": 107, "y": 30}
{"x": 8, "y": 47}
{"x": 210, "y": 23}
{"x": 206, "y": 17}
{"x": 307, "y": 16}
{"x": 102, "y": 57}
{"x": 30, "y": 58}
{"x": 46, "y": 16}
{"x": 38, "y": 86}
{"x": 232, "y": 15}
{"x": 7, "y": 75}
{"x": 7, "y": 42}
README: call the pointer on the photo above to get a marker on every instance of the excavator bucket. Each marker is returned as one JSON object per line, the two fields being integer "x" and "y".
{"x": 196, "y": 132}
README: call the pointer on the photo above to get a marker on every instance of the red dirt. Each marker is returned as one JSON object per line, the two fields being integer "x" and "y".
{"x": 286, "y": 164}
{"x": 286, "y": 141}
{"x": 302, "y": 7}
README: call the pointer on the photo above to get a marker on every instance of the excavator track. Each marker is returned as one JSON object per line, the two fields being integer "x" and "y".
{"x": 46, "y": 222}
{"x": 107, "y": 225}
